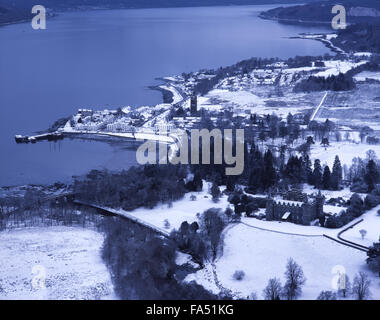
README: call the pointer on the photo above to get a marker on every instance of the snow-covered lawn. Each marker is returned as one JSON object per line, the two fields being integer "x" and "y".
{"x": 247, "y": 102}
{"x": 69, "y": 256}
{"x": 285, "y": 227}
{"x": 363, "y": 76}
{"x": 263, "y": 255}
{"x": 238, "y": 97}
{"x": 180, "y": 211}
{"x": 345, "y": 193}
{"x": 371, "y": 224}
{"x": 345, "y": 150}
{"x": 334, "y": 67}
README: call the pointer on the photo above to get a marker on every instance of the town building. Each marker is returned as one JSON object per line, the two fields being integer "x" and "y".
{"x": 163, "y": 127}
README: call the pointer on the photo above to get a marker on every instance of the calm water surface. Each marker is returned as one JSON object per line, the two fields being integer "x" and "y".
{"x": 106, "y": 59}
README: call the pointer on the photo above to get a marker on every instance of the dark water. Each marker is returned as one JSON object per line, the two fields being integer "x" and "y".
{"x": 106, "y": 59}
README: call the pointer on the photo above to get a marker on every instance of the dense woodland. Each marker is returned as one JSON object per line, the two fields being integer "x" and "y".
{"x": 340, "y": 82}
{"x": 362, "y": 37}
{"x": 137, "y": 187}
{"x": 143, "y": 265}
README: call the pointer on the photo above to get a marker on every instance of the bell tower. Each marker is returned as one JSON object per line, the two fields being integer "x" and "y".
{"x": 193, "y": 104}
{"x": 319, "y": 203}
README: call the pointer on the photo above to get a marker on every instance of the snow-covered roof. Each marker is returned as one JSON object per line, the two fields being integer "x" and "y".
{"x": 333, "y": 209}
{"x": 288, "y": 202}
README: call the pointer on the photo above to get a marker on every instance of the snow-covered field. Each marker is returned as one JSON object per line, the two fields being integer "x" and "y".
{"x": 371, "y": 225}
{"x": 238, "y": 97}
{"x": 180, "y": 211}
{"x": 245, "y": 102}
{"x": 345, "y": 150}
{"x": 70, "y": 258}
{"x": 345, "y": 193}
{"x": 363, "y": 76}
{"x": 334, "y": 67}
{"x": 263, "y": 255}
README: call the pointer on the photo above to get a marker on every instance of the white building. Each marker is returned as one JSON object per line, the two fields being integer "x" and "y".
{"x": 119, "y": 127}
{"x": 164, "y": 127}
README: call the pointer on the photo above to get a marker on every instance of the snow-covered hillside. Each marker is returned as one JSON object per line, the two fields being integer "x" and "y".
{"x": 345, "y": 150}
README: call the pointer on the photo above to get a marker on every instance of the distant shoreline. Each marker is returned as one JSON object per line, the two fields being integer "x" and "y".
{"x": 92, "y": 8}
{"x": 294, "y": 21}
{"x": 25, "y": 20}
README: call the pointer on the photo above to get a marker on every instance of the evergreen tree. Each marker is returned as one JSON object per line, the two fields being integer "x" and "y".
{"x": 317, "y": 174}
{"x": 373, "y": 259}
{"x": 215, "y": 192}
{"x": 356, "y": 206}
{"x": 262, "y": 136}
{"x": 310, "y": 140}
{"x": 293, "y": 170}
{"x": 307, "y": 170}
{"x": 230, "y": 184}
{"x": 283, "y": 130}
{"x": 289, "y": 119}
{"x": 371, "y": 176}
{"x": 282, "y": 157}
{"x": 337, "y": 174}
{"x": 269, "y": 176}
{"x": 326, "y": 179}
{"x": 273, "y": 126}
{"x": 246, "y": 162}
{"x": 325, "y": 142}
{"x": 255, "y": 178}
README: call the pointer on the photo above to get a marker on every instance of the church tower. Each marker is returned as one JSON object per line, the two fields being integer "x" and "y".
{"x": 319, "y": 203}
{"x": 193, "y": 104}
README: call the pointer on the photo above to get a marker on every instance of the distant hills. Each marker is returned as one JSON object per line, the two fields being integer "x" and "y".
{"x": 358, "y": 11}
{"x": 363, "y": 17}
{"x": 53, "y": 4}
{"x": 18, "y": 10}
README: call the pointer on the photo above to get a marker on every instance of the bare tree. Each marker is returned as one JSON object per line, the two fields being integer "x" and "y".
{"x": 273, "y": 290}
{"x": 295, "y": 279}
{"x": 212, "y": 223}
{"x": 363, "y": 233}
{"x": 327, "y": 295}
{"x": 360, "y": 287}
{"x": 252, "y": 296}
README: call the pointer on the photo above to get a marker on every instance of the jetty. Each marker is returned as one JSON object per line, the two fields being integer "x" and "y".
{"x": 51, "y": 136}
